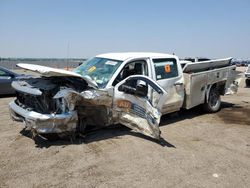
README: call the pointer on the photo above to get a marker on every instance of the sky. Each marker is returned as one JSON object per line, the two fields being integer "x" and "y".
{"x": 82, "y": 29}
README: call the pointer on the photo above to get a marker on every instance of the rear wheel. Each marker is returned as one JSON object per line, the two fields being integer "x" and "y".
{"x": 213, "y": 103}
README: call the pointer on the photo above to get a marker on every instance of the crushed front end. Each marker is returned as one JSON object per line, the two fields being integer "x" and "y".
{"x": 68, "y": 105}
{"x": 37, "y": 107}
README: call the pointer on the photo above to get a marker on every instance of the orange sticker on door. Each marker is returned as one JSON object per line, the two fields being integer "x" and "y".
{"x": 167, "y": 68}
{"x": 123, "y": 104}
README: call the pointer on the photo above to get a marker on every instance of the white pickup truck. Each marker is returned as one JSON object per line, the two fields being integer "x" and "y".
{"x": 132, "y": 89}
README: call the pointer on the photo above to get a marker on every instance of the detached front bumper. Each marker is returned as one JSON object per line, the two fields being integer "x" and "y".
{"x": 44, "y": 123}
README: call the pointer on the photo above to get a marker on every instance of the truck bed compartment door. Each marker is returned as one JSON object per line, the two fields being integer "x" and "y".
{"x": 134, "y": 107}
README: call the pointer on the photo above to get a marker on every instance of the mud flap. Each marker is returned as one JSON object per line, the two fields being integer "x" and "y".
{"x": 233, "y": 86}
{"x": 140, "y": 113}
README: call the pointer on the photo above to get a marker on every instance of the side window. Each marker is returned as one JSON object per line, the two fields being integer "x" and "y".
{"x": 3, "y": 73}
{"x": 165, "y": 68}
{"x": 133, "y": 68}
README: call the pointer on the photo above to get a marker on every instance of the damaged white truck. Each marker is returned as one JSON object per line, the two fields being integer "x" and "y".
{"x": 132, "y": 89}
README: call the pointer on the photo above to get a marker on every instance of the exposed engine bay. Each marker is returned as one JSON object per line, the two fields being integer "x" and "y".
{"x": 37, "y": 93}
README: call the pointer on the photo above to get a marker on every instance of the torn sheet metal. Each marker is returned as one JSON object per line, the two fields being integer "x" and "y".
{"x": 67, "y": 121}
{"x": 140, "y": 113}
{"x": 144, "y": 119}
{"x": 97, "y": 97}
{"x": 60, "y": 101}
{"x": 88, "y": 97}
{"x": 50, "y": 72}
{"x": 94, "y": 107}
{"x": 21, "y": 86}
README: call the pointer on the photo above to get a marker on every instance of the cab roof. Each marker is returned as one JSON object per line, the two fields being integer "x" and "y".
{"x": 128, "y": 55}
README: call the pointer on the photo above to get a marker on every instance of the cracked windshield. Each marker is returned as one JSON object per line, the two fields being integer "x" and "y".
{"x": 99, "y": 70}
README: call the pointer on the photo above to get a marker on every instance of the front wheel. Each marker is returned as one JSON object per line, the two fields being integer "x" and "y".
{"x": 213, "y": 104}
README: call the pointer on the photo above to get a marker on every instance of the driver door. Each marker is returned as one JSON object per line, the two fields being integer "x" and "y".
{"x": 136, "y": 108}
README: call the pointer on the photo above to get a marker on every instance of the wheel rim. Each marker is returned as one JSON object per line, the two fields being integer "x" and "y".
{"x": 213, "y": 99}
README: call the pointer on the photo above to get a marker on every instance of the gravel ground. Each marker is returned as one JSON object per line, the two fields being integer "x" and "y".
{"x": 198, "y": 150}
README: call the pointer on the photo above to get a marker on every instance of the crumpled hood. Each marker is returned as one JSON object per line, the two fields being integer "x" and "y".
{"x": 49, "y": 72}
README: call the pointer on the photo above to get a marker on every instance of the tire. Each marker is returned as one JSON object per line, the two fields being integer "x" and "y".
{"x": 50, "y": 136}
{"x": 248, "y": 82}
{"x": 213, "y": 104}
{"x": 58, "y": 136}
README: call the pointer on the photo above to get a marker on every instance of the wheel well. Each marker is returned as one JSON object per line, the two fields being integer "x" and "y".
{"x": 220, "y": 86}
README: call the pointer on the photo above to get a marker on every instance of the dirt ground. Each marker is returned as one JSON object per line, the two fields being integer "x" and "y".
{"x": 198, "y": 150}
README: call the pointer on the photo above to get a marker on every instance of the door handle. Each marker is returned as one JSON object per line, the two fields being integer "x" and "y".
{"x": 178, "y": 84}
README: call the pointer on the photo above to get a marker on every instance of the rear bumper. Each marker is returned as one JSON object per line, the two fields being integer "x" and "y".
{"x": 44, "y": 123}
